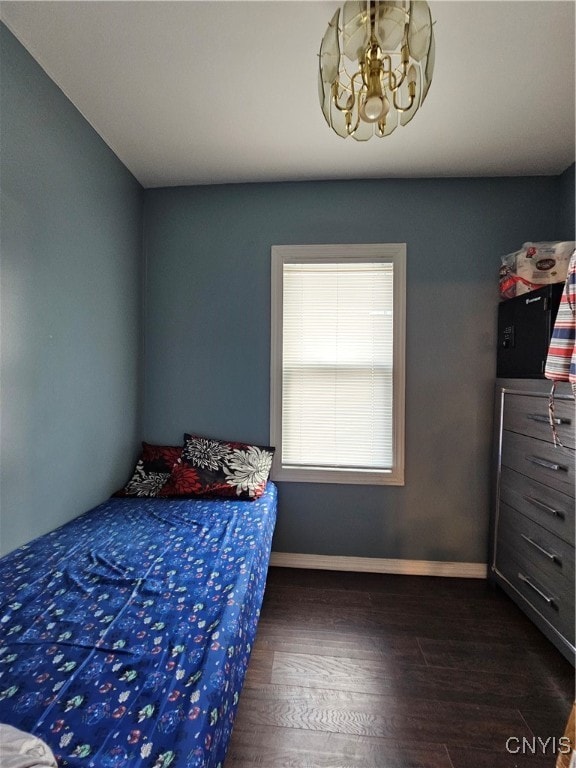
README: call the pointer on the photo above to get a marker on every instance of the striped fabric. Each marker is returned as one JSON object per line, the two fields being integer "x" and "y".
{"x": 561, "y": 360}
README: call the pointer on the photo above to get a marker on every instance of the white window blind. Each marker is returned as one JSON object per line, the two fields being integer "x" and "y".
{"x": 336, "y": 388}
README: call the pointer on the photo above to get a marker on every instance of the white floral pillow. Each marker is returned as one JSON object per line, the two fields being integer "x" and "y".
{"x": 220, "y": 468}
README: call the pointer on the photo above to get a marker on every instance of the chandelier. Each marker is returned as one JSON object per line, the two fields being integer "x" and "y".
{"x": 376, "y": 66}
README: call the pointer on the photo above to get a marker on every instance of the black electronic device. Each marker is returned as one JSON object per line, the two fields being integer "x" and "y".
{"x": 525, "y": 325}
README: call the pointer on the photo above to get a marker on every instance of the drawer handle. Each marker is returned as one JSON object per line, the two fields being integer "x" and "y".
{"x": 539, "y": 592}
{"x": 544, "y": 507}
{"x": 547, "y": 420}
{"x": 549, "y": 555}
{"x": 547, "y": 464}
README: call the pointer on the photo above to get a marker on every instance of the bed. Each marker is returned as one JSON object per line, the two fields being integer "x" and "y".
{"x": 125, "y": 634}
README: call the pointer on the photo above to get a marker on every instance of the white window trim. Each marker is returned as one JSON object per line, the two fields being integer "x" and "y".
{"x": 390, "y": 252}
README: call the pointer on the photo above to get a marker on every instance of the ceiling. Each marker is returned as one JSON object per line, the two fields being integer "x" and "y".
{"x": 192, "y": 92}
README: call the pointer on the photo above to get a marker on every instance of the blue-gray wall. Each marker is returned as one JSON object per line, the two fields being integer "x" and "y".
{"x": 207, "y": 328}
{"x": 71, "y": 369}
{"x": 70, "y": 249}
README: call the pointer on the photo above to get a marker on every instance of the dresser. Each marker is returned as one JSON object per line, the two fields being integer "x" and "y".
{"x": 532, "y": 526}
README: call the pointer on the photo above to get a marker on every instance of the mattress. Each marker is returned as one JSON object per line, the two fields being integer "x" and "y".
{"x": 125, "y": 634}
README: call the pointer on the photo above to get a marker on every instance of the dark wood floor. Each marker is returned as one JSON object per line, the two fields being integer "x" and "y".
{"x": 377, "y": 671}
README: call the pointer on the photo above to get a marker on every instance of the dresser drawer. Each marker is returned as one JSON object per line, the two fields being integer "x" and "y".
{"x": 551, "y": 598}
{"x": 532, "y": 542}
{"x": 528, "y": 415}
{"x": 549, "y": 464}
{"x": 549, "y": 508}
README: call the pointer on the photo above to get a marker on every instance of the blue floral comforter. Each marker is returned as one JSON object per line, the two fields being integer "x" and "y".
{"x": 125, "y": 634}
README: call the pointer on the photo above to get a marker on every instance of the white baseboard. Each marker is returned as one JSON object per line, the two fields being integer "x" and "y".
{"x": 380, "y": 565}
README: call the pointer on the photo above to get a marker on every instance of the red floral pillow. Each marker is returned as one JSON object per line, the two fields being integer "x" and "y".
{"x": 218, "y": 468}
{"x": 152, "y": 470}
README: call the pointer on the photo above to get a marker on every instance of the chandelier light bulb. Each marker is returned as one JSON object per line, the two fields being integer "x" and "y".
{"x": 376, "y": 66}
{"x": 374, "y": 108}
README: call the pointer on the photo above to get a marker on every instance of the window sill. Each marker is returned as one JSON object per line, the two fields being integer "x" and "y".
{"x": 338, "y": 476}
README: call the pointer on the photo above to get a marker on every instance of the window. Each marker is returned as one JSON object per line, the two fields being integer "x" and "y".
{"x": 337, "y": 363}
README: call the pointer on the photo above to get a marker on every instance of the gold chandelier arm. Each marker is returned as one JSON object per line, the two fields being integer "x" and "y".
{"x": 411, "y": 102}
{"x": 405, "y": 52}
{"x": 335, "y": 85}
{"x": 393, "y": 82}
{"x": 350, "y": 130}
{"x": 350, "y": 101}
